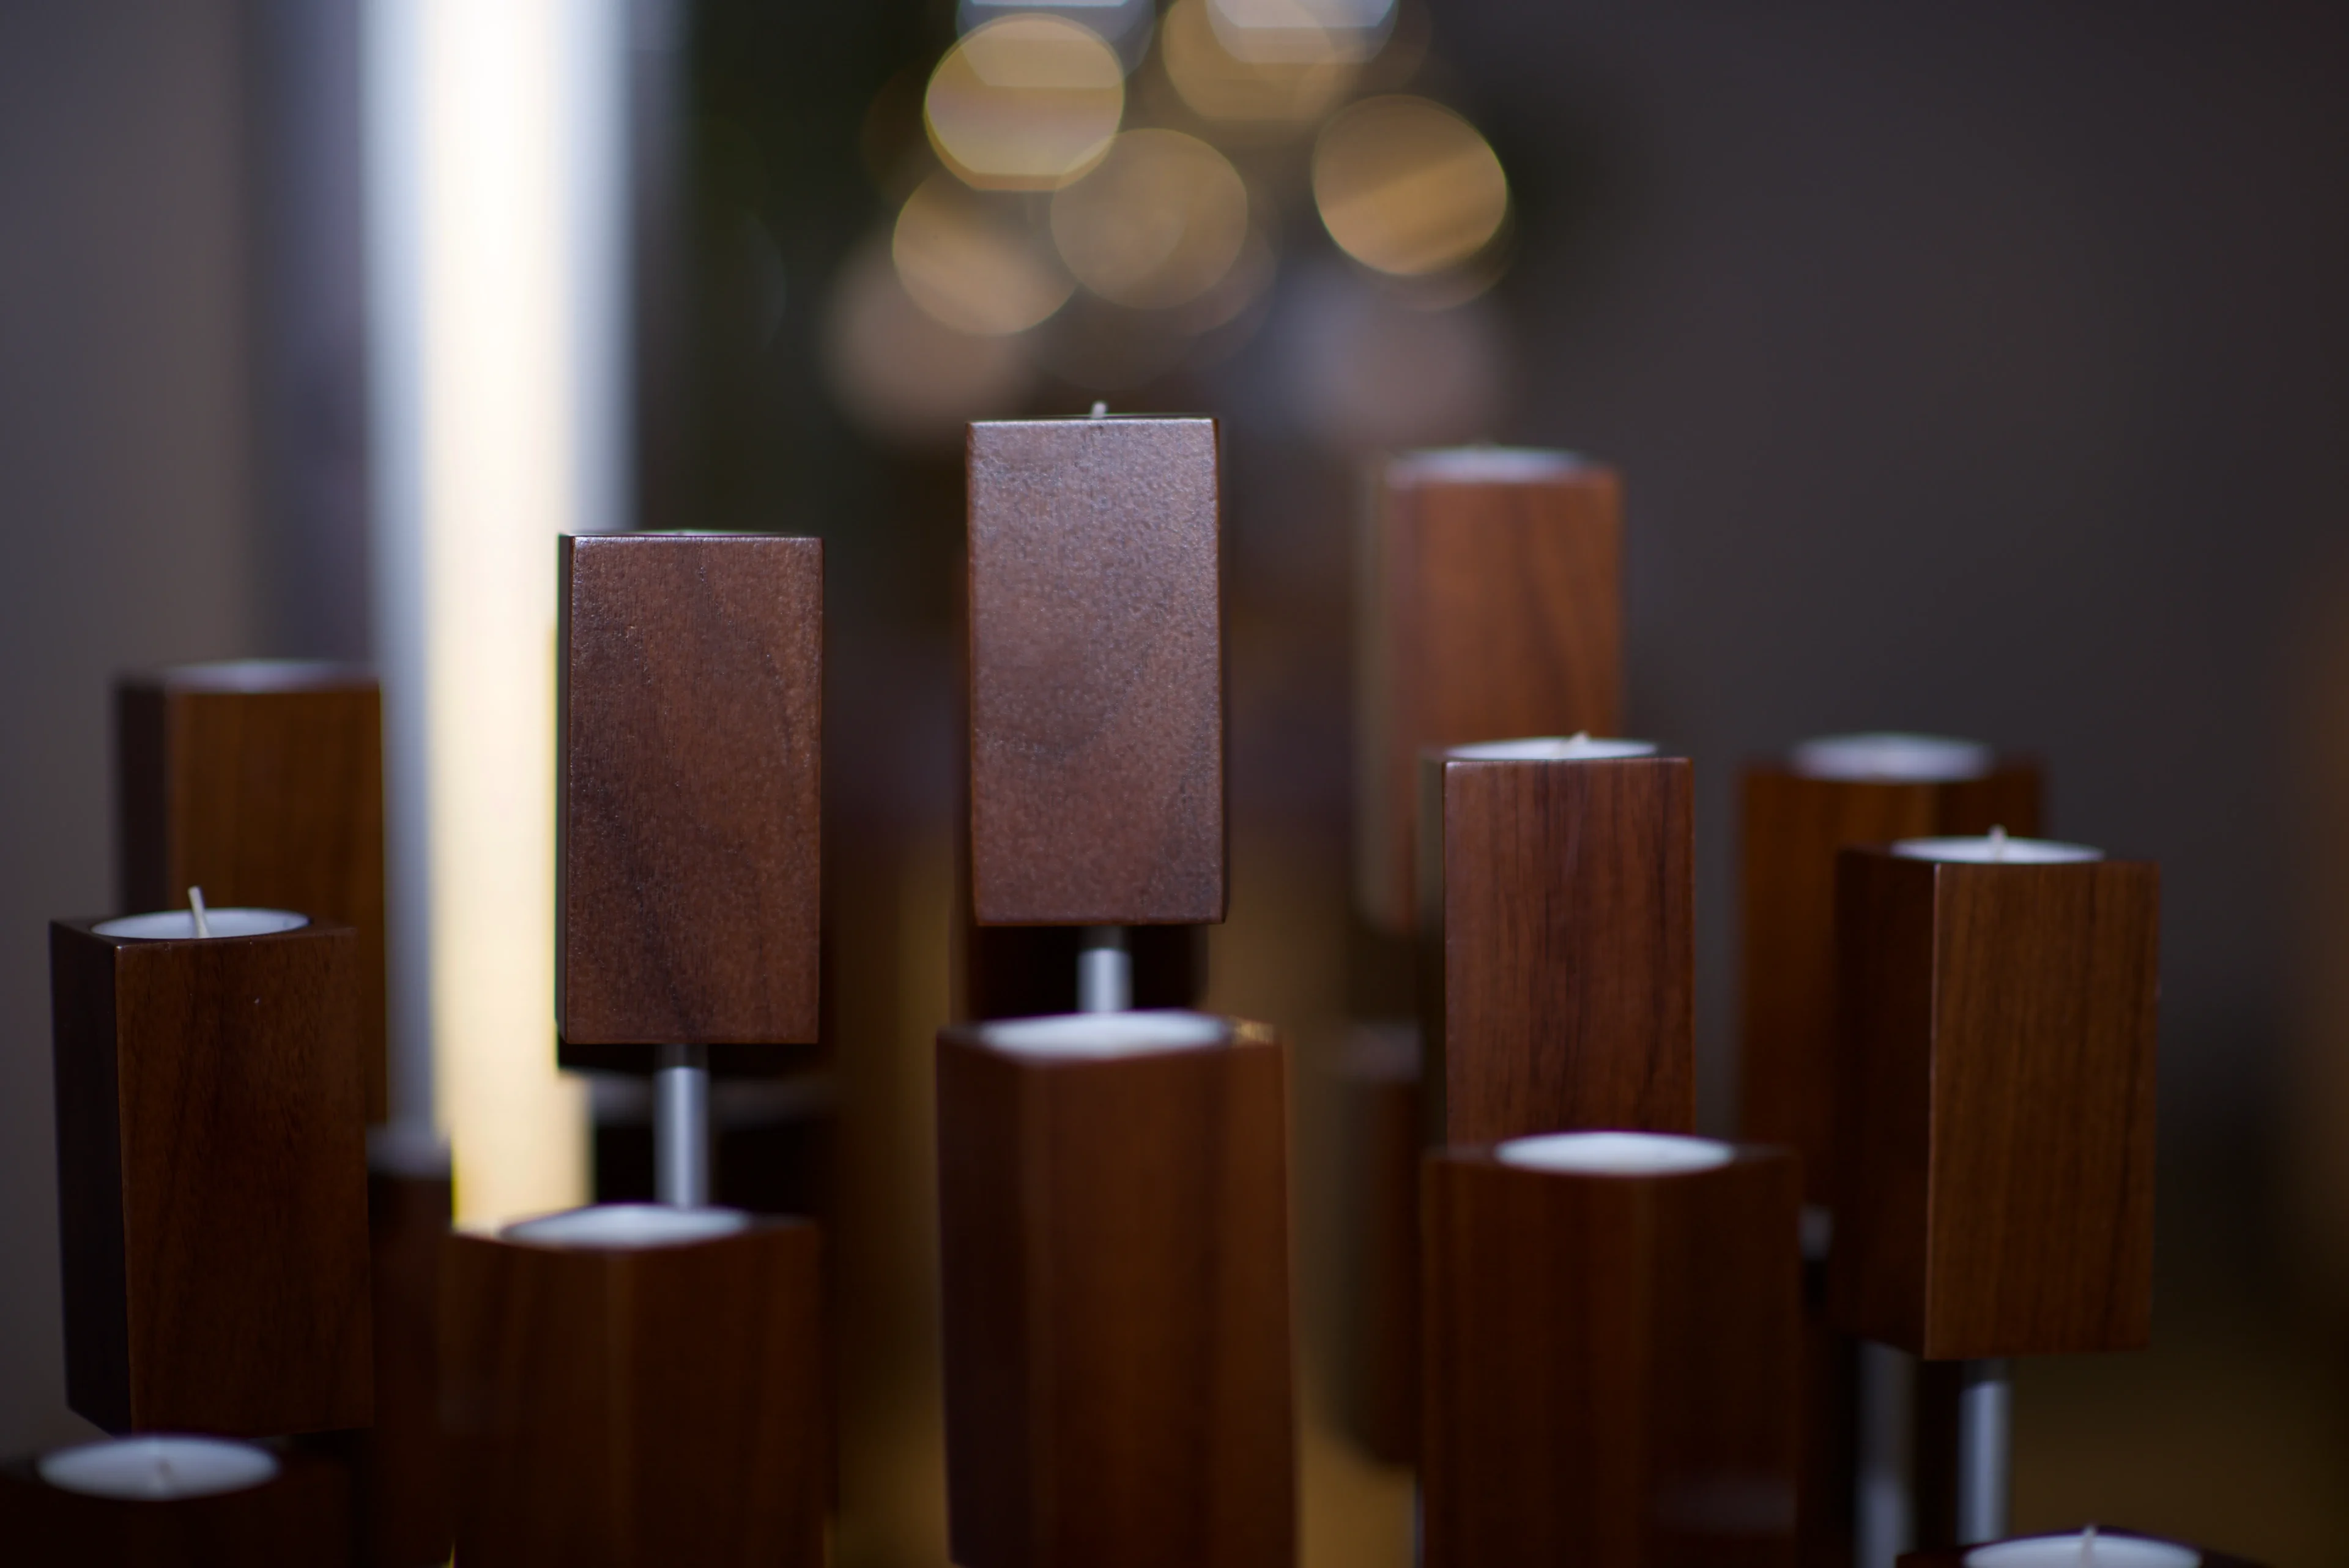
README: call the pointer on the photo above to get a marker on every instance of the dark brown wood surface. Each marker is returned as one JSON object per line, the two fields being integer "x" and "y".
{"x": 1558, "y": 986}
{"x": 300, "y": 1519}
{"x": 261, "y": 783}
{"x": 1996, "y": 1079}
{"x": 1612, "y": 1364}
{"x": 402, "y": 1468}
{"x": 1793, "y": 826}
{"x": 1096, "y": 685}
{"x": 1115, "y": 1238}
{"x": 692, "y": 744}
{"x": 1486, "y": 610}
{"x": 1955, "y": 1556}
{"x": 211, "y": 1181}
{"x": 659, "y": 1407}
{"x": 1384, "y": 1127}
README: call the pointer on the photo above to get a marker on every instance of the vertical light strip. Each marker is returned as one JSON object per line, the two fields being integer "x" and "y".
{"x": 496, "y": 167}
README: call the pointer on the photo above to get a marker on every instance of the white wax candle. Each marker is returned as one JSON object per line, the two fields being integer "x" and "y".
{"x": 1996, "y": 849}
{"x": 1551, "y": 749}
{"x": 1483, "y": 465}
{"x": 179, "y": 925}
{"x": 1890, "y": 757}
{"x": 1614, "y": 1153}
{"x": 628, "y": 1226}
{"x": 1079, "y": 1035}
{"x": 2083, "y": 1551}
{"x": 158, "y": 1469}
{"x": 265, "y": 675}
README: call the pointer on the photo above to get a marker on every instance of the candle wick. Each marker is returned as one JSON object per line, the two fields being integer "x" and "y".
{"x": 196, "y": 907}
{"x": 1101, "y": 410}
{"x": 1579, "y": 738}
{"x": 2088, "y": 1544}
{"x": 1998, "y": 844}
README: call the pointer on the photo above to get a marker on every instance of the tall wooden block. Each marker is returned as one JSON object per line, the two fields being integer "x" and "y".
{"x": 402, "y": 1468}
{"x": 1096, "y": 673}
{"x": 1490, "y": 603}
{"x": 1997, "y": 1090}
{"x": 2110, "y": 1549}
{"x": 1794, "y": 824}
{"x": 1114, "y": 1219}
{"x": 211, "y": 1180}
{"x": 298, "y": 1518}
{"x": 261, "y": 781}
{"x": 692, "y": 719}
{"x": 1385, "y": 1125}
{"x": 1559, "y": 977}
{"x": 1611, "y": 1356}
{"x": 636, "y": 1387}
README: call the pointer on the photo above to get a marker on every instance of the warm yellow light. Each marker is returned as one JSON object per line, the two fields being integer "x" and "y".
{"x": 1301, "y": 30}
{"x": 973, "y": 260}
{"x": 1407, "y": 186}
{"x": 903, "y": 375}
{"x": 1158, "y": 222}
{"x": 1307, "y": 74}
{"x": 1025, "y": 103}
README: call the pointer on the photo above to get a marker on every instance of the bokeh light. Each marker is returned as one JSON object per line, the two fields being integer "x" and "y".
{"x": 1124, "y": 25}
{"x": 1285, "y": 93}
{"x": 1406, "y": 186}
{"x": 1025, "y": 103}
{"x": 1301, "y": 30}
{"x": 1158, "y": 222}
{"x": 903, "y": 375}
{"x": 973, "y": 262}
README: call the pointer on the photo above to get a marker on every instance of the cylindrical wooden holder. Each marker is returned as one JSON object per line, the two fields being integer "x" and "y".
{"x": 1996, "y": 1094}
{"x": 1611, "y": 1364}
{"x": 401, "y": 1464}
{"x": 627, "y": 1406}
{"x": 211, "y": 1181}
{"x": 1114, "y": 1220}
{"x": 298, "y": 1518}
{"x": 1095, "y": 665}
{"x": 261, "y": 781}
{"x": 692, "y": 715}
{"x": 1490, "y": 603}
{"x": 2113, "y": 1549}
{"x": 1794, "y": 824}
{"x": 1558, "y": 939}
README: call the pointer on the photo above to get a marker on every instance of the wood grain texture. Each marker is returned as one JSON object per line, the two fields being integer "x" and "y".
{"x": 1612, "y": 1364}
{"x": 211, "y": 1181}
{"x": 299, "y": 1519}
{"x": 1793, "y": 826}
{"x": 1096, "y": 673}
{"x": 692, "y": 721}
{"x": 1115, "y": 1238}
{"x": 261, "y": 783}
{"x": 663, "y": 1407}
{"x": 1559, "y": 981}
{"x": 1956, "y": 1557}
{"x": 1483, "y": 610}
{"x": 1996, "y": 1071}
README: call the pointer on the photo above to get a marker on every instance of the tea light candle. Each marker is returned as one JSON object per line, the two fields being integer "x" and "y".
{"x": 1996, "y": 848}
{"x": 1578, "y": 748}
{"x": 1097, "y": 1037}
{"x": 158, "y": 1469}
{"x": 1613, "y": 1153}
{"x": 182, "y": 925}
{"x": 629, "y": 1227}
{"x": 2085, "y": 1550}
{"x": 1891, "y": 756}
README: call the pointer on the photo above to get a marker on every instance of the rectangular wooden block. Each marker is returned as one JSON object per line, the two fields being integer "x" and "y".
{"x": 1490, "y": 603}
{"x": 692, "y": 722}
{"x": 1559, "y": 976}
{"x": 1384, "y": 1128}
{"x": 1996, "y": 1075}
{"x": 1793, "y": 826}
{"x": 1096, "y": 673}
{"x": 1116, "y": 1232}
{"x": 211, "y": 1181}
{"x": 1611, "y": 1367}
{"x": 657, "y": 1406}
{"x": 402, "y": 1468}
{"x": 261, "y": 781}
{"x": 301, "y": 1518}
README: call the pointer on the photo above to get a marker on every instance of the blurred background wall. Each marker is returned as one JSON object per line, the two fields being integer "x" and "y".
{"x": 1982, "y": 369}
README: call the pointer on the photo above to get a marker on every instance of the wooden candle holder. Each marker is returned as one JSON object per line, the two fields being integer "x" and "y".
{"x": 1096, "y": 692}
{"x": 300, "y": 1519}
{"x": 1386, "y": 1123}
{"x": 262, "y": 782}
{"x": 1794, "y": 824}
{"x": 402, "y": 1465}
{"x": 1491, "y": 604}
{"x": 1611, "y": 1362}
{"x": 692, "y": 716}
{"x": 1558, "y": 944}
{"x": 211, "y": 1181}
{"x": 1955, "y": 1557}
{"x": 614, "y": 1407}
{"x": 1996, "y": 1080}
{"x": 1115, "y": 1231}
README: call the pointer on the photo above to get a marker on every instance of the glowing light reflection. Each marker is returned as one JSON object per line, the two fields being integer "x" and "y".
{"x": 1406, "y": 186}
{"x": 1025, "y": 103}
{"x": 1157, "y": 223}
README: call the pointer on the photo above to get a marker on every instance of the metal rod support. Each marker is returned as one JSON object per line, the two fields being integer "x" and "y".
{"x": 1985, "y": 1460}
{"x": 1104, "y": 971}
{"x": 1884, "y": 1511}
{"x": 681, "y": 1125}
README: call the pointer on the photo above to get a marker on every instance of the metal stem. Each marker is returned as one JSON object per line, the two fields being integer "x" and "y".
{"x": 1104, "y": 971}
{"x": 681, "y": 1125}
{"x": 1885, "y": 1510}
{"x": 1985, "y": 1460}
